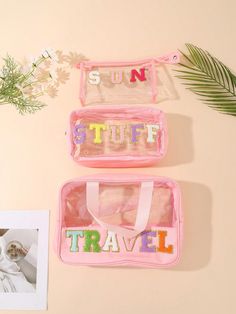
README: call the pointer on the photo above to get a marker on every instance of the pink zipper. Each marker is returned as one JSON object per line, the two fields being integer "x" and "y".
{"x": 170, "y": 58}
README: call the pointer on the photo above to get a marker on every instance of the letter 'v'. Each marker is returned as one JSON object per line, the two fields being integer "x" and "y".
{"x": 129, "y": 243}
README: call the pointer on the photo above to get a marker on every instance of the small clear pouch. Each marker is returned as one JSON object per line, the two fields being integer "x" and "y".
{"x": 120, "y": 219}
{"x": 143, "y": 81}
{"x": 118, "y": 136}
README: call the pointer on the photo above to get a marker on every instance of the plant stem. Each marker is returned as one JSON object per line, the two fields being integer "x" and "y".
{"x": 35, "y": 65}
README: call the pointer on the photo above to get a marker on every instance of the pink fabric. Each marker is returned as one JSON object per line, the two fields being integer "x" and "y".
{"x": 129, "y": 254}
{"x": 165, "y": 217}
{"x": 122, "y": 154}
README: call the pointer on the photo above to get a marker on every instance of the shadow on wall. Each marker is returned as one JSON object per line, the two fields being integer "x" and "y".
{"x": 180, "y": 148}
{"x": 197, "y": 206}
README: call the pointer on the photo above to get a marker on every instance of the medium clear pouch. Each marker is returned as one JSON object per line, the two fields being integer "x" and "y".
{"x": 118, "y": 136}
{"x": 143, "y": 81}
{"x": 120, "y": 219}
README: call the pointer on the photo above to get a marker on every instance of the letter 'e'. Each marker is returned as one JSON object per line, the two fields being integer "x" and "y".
{"x": 146, "y": 240}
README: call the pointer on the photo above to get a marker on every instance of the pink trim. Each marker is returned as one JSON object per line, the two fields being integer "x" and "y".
{"x": 153, "y": 81}
{"x": 82, "y": 84}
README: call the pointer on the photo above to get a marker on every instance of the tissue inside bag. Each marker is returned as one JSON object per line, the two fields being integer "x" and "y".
{"x": 118, "y": 204}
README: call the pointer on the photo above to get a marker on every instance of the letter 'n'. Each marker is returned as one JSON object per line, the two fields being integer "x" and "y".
{"x": 139, "y": 75}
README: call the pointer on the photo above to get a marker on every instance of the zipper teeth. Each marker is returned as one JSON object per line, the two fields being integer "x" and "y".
{"x": 89, "y": 64}
{"x": 114, "y": 111}
{"x": 118, "y": 180}
{"x": 123, "y": 181}
{"x": 170, "y": 58}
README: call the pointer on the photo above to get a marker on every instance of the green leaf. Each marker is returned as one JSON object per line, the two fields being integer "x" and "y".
{"x": 209, "y": 78}
{"x": 12, "y": 79}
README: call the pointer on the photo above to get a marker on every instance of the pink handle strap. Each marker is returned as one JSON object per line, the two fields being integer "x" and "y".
{"x": 143, "y": 210}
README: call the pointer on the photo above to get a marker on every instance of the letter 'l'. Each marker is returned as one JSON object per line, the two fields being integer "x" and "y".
{"x": 162, "y": 243}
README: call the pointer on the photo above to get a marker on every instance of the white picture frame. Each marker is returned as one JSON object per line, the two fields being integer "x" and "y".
{"x": 35, "y": 220}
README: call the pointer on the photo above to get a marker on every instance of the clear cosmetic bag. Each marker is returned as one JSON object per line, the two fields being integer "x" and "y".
{"x": 118, "y": 136}
{"x": 118, "y": 220}
{"x": 143, "y": 81}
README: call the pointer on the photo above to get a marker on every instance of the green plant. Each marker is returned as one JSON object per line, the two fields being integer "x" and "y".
{"x": 16, "y": 86}
{"x": 209, "y": 78}
{"x": 23, "y": 84}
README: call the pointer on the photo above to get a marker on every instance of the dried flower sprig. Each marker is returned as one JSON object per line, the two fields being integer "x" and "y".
{"x": 23, "y": 84}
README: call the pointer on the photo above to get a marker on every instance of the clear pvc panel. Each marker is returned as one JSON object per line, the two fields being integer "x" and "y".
{"x": 118, "y": 205}
{"x": 118, "y": 132}
{"x": 114, "y": 85}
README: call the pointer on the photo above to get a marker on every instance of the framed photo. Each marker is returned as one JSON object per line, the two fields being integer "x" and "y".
{"x": 24, "y": 259}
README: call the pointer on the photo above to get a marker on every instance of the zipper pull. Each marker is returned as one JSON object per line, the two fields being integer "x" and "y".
{"x": 171, "y": 58}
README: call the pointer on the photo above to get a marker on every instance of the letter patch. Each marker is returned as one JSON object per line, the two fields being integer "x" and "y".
{"x": 102, "y": 241}
{"x": 118, "y": 133}
{"x": 118, "y": 76}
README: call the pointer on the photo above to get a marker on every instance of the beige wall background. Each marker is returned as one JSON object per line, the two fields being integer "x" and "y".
{"x": 202, "y": 151}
